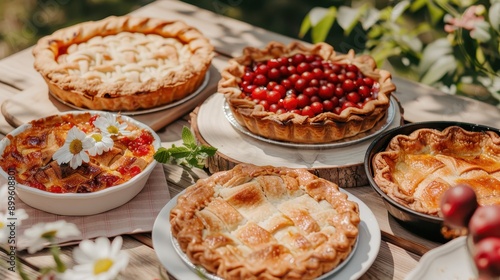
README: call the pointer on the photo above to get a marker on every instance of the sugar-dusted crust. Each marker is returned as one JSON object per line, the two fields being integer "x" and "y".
{"x": 166, "y": 64}
{"x": 416, "y": 169}
{"x": 266, "y": 222}
{"x": 323, "y": 128}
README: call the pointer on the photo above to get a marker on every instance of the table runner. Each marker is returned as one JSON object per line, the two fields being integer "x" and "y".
{"x": 138, "y": 215}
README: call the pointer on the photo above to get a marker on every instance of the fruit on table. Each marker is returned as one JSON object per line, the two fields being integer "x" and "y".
{"x": 487, "y": 257}
{"x": 306, "y": 85}
{"x": 485, "y": 222}
{"x": 458, "y": 204}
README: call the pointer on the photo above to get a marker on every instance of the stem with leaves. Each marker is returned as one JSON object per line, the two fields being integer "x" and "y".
{"x": 189, "y": 154}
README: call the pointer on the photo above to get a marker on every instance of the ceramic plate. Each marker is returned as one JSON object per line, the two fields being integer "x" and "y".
{"x": 381, "y": 126}
{"x": 365, "y": 254}
{"x": 448, "y": 261}
{"x": 151, "y": 110}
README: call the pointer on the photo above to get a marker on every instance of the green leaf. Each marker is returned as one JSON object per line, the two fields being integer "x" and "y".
{"x": 348, "y": 17}
{"x": 399, "y": 9}
{"x": 371, "y": 17}
{"x": 179, "y": 152}
{"x": 188, "y": 137}
{"x": 443, "y": 65}
{"x": 320, "y": 30}
{"x": 162, "y": 155}
{"x": 435, "y": 12}
{"x": 493, "y": 16}
{"x": 190, "y": 154}
{"x": 433, "y": 52}
{"x": 417, "y": 5}
{"x": 305, "y": 26}
{"x": 210, "y": 151}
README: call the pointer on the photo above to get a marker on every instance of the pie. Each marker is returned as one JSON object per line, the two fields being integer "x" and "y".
{"x": 264, "y": 222}
{"x": 123, "y": 63}
{"x": 30, "y": 154}
{"x": 305, "y": 94}
{"x": 416, "y": 169}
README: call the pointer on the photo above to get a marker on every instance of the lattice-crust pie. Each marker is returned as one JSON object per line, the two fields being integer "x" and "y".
{"x": 30, "y": 154}
{"x": 416, "y": 169}
{"x": 266, "y": 222}
{"x": 123, "y": 63}
{"x": 305, "y": 94}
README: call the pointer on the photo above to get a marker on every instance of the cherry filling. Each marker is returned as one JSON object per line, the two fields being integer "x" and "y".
{"x": 306, "y": 85}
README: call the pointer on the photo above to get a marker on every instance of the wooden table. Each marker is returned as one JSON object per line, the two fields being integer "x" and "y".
{"x": 400, "y": 250}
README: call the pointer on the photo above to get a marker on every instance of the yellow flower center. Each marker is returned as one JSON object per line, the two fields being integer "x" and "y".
{"x": 113, "y": 129}
{"x": 97, "y": 137}
{"x": 102, "y": 265}
{"x": 75, "y": 146}
{"x": 49, "y": 234}
{"x": 2, "y": 225}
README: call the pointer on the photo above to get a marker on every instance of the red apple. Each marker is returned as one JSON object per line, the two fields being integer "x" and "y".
{"x": 485, "y": 222}
{"x": 458, "y": 204}
{"x": 487, "y": 257}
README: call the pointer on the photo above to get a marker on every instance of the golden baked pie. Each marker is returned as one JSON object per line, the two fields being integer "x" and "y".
{"x": 266, "y": 222}
{"x": 416, "y": 169}
{"x": 30, "y": 154}
{"x": 305, "y": 94}
{"x": 123, "y": 63}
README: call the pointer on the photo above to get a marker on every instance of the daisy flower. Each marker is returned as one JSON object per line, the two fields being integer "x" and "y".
{"x": 99, "y": 260}
{"x": 73, "y": 150}
{"x": 107, "y": 123}
{"x": 102, "y": 143}
{"x": 38, "y": 235}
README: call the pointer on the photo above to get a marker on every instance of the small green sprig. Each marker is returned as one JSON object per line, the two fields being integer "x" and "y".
{"x": 190, "y": 154}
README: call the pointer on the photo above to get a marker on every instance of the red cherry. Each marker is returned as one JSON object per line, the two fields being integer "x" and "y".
{"x": 273, "y": 63}
{"x": 364, "y": 91}
{"x": 351, "y": 68}
{"x": 248, "y": 76}
{"x": 286, "y": 83}
{"x": 307, "y": 111}
{"x": 259, "y": 93}
{"x": 368, "y": 81}
{"x": 303, "y": 67}
{"x": 260, "y": 80}
{"x": 317, "y": 107}
{"x": 351, "y": 75}
{"x": 348, "y": 85}
{"x": 281, "y": 89}
{"x": 326, "y": 92}
{"x": 303, "y": 100}
{"x": 298, "y": 58}
{"x": 264, "y": 104}
{"x": 274, "y": 74}
{"x": 273, "y": 108}
{"x": 273, "y": 97}
{"x": 310, "y": 91}
{"x": 328, "y": 105}
{"x": 290, "y": 103}
{"x": 301, "y": 84}
{"x": 262, "y": 69}
{"x": 353, "y": 97}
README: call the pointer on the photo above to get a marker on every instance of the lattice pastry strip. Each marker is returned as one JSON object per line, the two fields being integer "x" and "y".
{"x": 265, "y": 222}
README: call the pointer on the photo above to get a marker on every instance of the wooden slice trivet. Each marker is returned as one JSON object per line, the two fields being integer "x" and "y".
{"x": 342, "y": 165}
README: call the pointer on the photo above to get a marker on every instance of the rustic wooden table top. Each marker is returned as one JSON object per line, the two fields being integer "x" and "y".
{"x": 400, "y": 250}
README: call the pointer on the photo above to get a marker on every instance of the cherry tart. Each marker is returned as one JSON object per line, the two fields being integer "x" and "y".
{"x": 264, "y": 222}
{"x": 304, "y": 94}
{"x": 123, "y": 63}
{"x": 415, "y": 170}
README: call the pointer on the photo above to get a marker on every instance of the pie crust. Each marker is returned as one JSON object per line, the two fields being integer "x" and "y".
{"x": 123, "y": 63}
{"x": 264, "y": 222}
{"x": 416, "y": 169}
{"x": 30, "y": 154}
{"x": 291, "y": 127}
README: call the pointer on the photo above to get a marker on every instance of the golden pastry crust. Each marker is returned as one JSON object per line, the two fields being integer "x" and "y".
{"x": 416, "y": 169}
{"x": 123, "y": 63}
{"x": 291, "y": 127}
{"x": 266, "y": 222}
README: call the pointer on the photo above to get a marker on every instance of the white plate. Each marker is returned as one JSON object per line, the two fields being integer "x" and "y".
{"x": 380, "y": 127}
{"x": 448, "y": 261}
{"x": 363, "y": 257}
{"x": 151, "y": 110}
